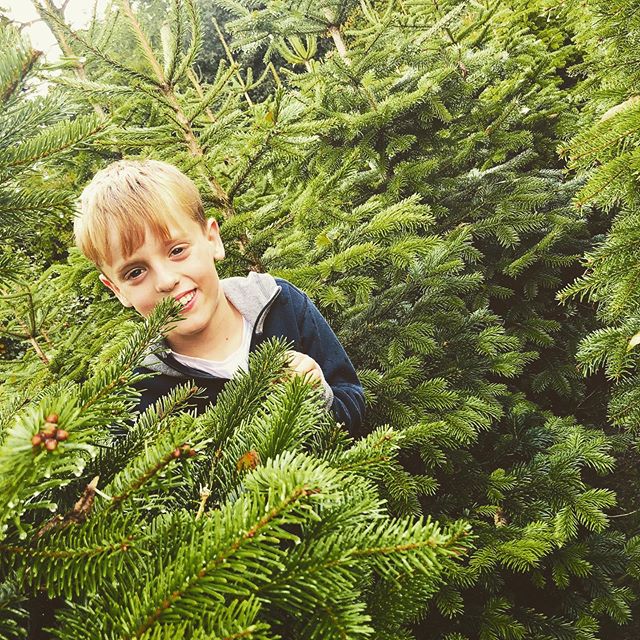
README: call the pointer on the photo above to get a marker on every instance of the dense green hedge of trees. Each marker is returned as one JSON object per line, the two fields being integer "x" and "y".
{"x": 455, "y": 185}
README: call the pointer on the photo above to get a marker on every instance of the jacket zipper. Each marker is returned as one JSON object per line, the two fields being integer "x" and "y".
{"x": 259, "y": 326}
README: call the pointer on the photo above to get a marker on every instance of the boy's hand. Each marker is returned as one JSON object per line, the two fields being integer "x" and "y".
{"x": 300, "y": 364}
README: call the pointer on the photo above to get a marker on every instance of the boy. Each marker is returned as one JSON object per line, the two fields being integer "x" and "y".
{"x": 142, "y": 223}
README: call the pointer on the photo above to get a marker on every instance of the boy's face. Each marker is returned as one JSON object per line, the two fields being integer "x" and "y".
{"x": 182, "y": 267}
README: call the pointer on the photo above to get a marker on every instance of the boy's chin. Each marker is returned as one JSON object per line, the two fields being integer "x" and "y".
{"x": 184, "y": 329}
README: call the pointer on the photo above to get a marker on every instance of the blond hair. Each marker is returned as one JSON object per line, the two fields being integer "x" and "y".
{"x": 128, "y": 197}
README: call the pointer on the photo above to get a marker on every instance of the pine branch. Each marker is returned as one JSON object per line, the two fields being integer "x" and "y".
{"x": 232, "y": 62}
{"x": 7, "y": 90}
{"x": 195, "y": 44}
{"x": 145, "y": 45}
{"x": 212, "y": 93}
{"x": 182, "y": 451}
{"x": 167, "y": 91}
{"x": 55, "y": 140}
{"x": 133, "y": 75}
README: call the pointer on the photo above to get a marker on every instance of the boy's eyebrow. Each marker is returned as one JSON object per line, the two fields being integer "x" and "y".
{"x": 174, "y": 239}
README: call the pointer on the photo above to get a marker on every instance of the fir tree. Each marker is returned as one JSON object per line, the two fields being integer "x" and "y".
{"x": 604, "y": 153}
{"x": 246, "y": 520}
{"x": 403, "y": 175}
{"x": 449, "y": 128}
{"x": 260, "y": 517}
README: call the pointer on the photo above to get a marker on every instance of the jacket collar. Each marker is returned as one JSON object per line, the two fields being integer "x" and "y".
{"x": 252, "y": 296}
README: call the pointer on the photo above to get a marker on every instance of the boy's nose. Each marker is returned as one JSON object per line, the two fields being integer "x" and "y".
{"x": 166, "y": 281}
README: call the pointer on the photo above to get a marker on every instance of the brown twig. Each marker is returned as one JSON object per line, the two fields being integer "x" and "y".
{"x": 205, "y": 492}
{"x": 78, "y": 514}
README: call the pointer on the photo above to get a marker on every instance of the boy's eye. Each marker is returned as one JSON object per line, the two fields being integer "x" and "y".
{"x": 176, "y": 251}
{"x": 134, "y": 273}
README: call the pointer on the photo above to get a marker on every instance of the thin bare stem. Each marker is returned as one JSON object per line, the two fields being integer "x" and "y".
{"x": 63, "y": 43}
{"x": 41, "y": 354}
{"x": 624, "y": 515}
{"x": 227, "y": 50}
{"x": 275, "y": 74}
{"x": 205, "y": 492}
{"x": 334, "y": 32}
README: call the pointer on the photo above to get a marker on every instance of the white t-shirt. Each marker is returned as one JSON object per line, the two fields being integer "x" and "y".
{"x": 239, "y": 359}
{"x": 226, "y": 368}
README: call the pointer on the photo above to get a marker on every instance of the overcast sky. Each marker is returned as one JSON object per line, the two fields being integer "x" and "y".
{"x": 78, "y": 14}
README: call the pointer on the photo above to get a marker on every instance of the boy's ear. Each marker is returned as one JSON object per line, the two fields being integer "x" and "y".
{"x": 107, "y": 283}
{"x": 213, "y": 236}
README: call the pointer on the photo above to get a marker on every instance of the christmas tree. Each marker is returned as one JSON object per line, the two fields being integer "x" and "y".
{"x": 401, "y": 170}
{"x": 603, "y": 153}
{"x": 260, "y": 510}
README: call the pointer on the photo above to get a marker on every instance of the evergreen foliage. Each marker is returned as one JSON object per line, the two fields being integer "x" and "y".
{"x": 35, "y": 129}
{"x": 396, "y": 160}
{"x": 289, "y": 541}
{"x": 444, "y": 131}
{"x": 604, "y": 152}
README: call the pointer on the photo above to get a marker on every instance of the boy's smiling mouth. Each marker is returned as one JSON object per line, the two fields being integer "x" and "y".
{"x": 186, "y": 299}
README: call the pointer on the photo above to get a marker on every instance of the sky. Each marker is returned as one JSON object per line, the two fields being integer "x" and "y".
{"x": 77, "y": 13}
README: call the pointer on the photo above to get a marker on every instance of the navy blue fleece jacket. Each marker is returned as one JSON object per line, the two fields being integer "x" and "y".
{"x": 275, "y": 308}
